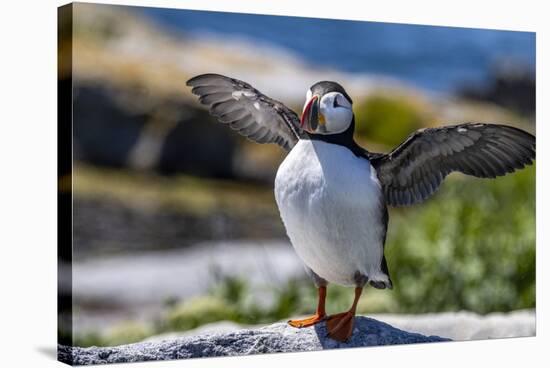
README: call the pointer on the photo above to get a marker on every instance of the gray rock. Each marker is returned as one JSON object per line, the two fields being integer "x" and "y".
{"x": 278, "y": 337}
{"x": 466, "y": 325}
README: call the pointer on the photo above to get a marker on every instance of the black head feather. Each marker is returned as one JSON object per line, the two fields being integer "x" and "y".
{"x": 324, "y": 87}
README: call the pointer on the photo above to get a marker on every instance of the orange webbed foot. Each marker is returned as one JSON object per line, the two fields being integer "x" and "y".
{"x": 340, "y": 326}
{"x": 307, "y": 322}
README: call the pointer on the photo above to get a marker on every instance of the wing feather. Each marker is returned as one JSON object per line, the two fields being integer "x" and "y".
{"x": 414, "y": 170}
{"x": 247, "y": 110}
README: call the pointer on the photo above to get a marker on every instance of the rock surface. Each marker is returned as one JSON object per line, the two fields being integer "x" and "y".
{"x": 457, "y": 326}
{"x": 275, "y": 338}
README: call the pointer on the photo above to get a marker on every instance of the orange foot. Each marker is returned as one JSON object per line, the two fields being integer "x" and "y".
{"x": 340, "y": 326}
{"x": 306, "y": 322}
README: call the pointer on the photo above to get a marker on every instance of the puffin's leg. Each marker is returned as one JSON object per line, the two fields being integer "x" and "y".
{"x": 340, "y": 326}
{"x": 319, "y": 315}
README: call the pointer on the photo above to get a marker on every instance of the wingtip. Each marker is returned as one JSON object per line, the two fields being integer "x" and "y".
{"x": 192, "y": 82}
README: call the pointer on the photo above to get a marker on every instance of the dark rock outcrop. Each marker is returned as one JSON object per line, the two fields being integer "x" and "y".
{"x": 131, "y": 128}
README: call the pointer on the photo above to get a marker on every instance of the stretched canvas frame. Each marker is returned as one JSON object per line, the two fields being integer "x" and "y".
{"x": 66, "y": 199}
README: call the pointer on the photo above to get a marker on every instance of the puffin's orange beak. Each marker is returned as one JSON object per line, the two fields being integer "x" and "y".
{"x": 310, "y": 116}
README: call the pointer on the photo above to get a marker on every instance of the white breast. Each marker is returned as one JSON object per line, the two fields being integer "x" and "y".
{"x": 330, "y": 204}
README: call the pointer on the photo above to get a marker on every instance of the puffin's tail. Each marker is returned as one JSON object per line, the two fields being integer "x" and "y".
{"x": 382, "y": 279}
{"x": 381, "y": 284}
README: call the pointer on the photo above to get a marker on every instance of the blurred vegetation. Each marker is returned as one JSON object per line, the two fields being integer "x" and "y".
{"x": 388, "y": 119}
{"x": 194, "y": 195}
{"x": 470, "y": 247}
{"x": 123, "y": 333}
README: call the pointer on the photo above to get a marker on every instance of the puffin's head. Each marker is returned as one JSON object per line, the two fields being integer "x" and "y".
{"x": 327, "y": 109}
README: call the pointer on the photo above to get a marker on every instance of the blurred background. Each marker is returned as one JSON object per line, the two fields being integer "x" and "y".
{"x": 175, "y": 223}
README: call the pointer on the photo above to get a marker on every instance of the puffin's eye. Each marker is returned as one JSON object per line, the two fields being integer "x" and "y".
{"x": 335, "y": 102}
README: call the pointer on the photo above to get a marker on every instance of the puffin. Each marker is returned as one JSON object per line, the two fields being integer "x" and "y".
{"x": 333, "y": 195}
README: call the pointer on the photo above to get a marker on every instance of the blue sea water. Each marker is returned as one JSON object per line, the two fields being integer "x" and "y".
{"x": 437, "y": 58}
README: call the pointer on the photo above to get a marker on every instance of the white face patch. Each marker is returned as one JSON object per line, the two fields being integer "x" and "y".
{"x": 338, "y": 116}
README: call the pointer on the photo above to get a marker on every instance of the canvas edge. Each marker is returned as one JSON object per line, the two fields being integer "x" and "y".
{"x": 65, "y": 180}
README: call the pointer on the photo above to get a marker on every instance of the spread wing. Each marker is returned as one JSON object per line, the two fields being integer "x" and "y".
{"x": 414, "y": 170}
{"x": 247, "y": 110}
